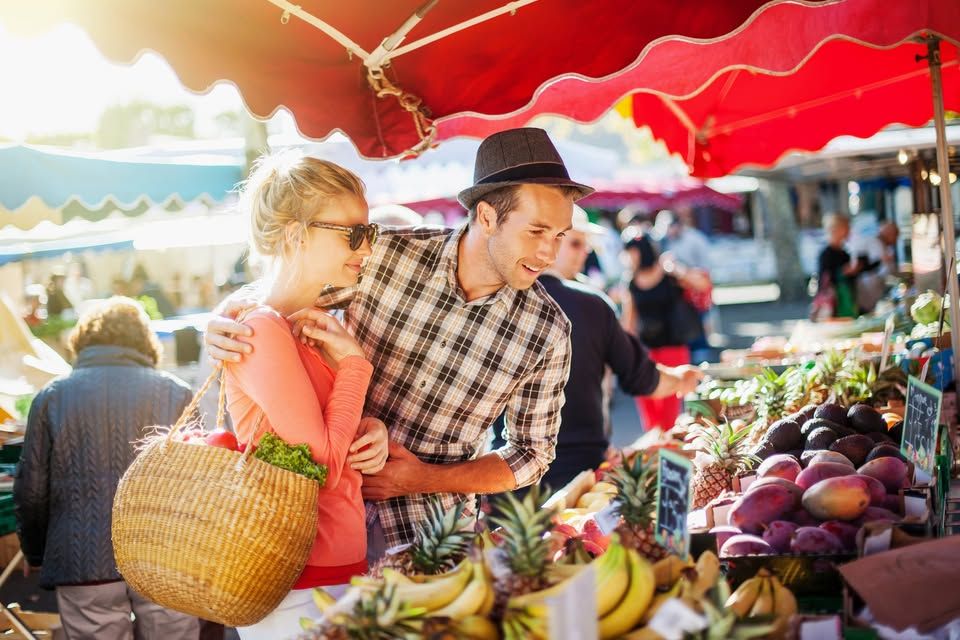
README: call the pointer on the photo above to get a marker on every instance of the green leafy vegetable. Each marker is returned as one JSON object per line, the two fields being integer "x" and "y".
{"x": 22, "y": 405}
{"x": 296, "y": 458}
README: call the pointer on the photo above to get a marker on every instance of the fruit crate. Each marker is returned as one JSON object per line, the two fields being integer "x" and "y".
{"x": 807, "y": 576}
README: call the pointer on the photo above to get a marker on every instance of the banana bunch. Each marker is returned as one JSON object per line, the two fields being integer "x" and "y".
{"x": 466, "y": 590}
{"x": 461, "y": 593}
{"x": 704, "y": 591}
{"x": 629, "y": 609}
{"x": 526, "y": 622}
{"x": 764, "y": 596}
{"x": 624, "y": 586}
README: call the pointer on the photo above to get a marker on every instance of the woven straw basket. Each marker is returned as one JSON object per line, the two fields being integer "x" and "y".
{"x": 211, "y": 532}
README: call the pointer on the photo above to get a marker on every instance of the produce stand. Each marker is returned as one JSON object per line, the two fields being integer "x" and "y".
{"x": 798, "y": 467}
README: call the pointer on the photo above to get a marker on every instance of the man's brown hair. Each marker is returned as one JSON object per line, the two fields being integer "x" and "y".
{"x": 504, "y": 200}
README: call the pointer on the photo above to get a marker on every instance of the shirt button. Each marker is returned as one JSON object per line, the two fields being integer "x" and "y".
{"x": 423, "y": 384}
{"x": 443, "y": 343}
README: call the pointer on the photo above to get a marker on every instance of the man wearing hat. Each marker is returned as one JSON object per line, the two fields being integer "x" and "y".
{"x": 598, "y": 341}
{"x": 460, "y": 332}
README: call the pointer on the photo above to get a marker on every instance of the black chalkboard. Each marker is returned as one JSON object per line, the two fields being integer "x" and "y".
{"x": 920, "y": 425}
{"x": 673, "y": 502}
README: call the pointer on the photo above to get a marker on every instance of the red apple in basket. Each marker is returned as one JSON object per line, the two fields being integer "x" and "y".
{"x": 193, "y": 436}
{"x": 221, "y": 438}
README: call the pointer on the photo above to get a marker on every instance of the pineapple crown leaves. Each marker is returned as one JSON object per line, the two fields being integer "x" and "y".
{"x": 826, "y": 369}
{"x": 773, "y": 392}
{"x": 728, "y": 446}
{"x": 855, "y": 383}
{"x": 525, "y": 527}
{"x": 636, "y": 484}
{"x": 443, "y": 538}
{"x": 381, "y": 615}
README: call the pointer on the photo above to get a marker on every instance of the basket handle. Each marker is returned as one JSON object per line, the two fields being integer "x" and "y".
{"x": 219, "y": 372}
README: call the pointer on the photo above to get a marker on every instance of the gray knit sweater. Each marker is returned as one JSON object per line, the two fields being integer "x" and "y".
{"x": 78, "y": 444}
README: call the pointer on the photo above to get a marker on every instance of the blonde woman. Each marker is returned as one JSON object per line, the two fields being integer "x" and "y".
{"x": 309, "y": 222}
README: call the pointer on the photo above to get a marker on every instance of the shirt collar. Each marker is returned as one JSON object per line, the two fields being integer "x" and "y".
{"x": 447, "y": 269}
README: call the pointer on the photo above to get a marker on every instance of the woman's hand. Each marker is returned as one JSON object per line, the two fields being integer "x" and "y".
{"x": 223, "y": 333}
{"x": 368, "y": 453}
{"x": 318, "y": 328}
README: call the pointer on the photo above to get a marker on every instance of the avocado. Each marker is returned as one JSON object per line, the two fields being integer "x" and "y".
{"x": 880, "y": 438}
{"x": 855, "y": 448}
{"x": 832, "y": 412}
{"x": 784, "y": 435}
{"x": 806, "y": 413}
{"x": 810, "y": 425}
{"x": 807, "y": 455}
{"x": 821, "y": 438}
{"x": 885, "y": 451}
{"x": 764, "y": 450}
{"x": 865, "y": 419}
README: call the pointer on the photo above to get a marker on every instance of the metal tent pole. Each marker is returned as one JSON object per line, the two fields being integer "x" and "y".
{"x": 946, "y": 200}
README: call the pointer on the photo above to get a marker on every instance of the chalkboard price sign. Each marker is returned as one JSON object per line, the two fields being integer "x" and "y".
{"x": 673, "y": 502}
{"x": 920, "y": 425}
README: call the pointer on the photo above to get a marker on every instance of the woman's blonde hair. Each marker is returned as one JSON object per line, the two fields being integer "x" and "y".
{"x": 118, "y": 322}
{"x": 282, "y": 195}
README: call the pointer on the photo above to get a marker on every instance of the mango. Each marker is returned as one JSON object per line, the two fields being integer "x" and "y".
{"x": 815, "y": 540}
{"x": 779, "y": 533}
{"x": 831, "y": 456}
{"x": 878, "y": 493}
{"x": 878, "y": 514}
{"x": 745, "y": 545}
{"x": 891, "y": 471}
{"x": 780, "y": 466}
{"x": 840, "y": 498}
{"x": 756, "y": 508}
{"x": 780, "y": 482}
{"x": 845, "y": 532}
{"x": 803, "y": 518}
{"x": 821, "y": 471}
{"x": 723, "y": 533}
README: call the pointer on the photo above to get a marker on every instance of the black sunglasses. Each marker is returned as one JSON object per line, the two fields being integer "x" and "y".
{"x": 357, "y": 232}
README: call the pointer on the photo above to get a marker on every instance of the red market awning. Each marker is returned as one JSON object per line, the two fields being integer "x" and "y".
{"x": 746, "y": 119}
{"x": 327, "y": 62}
{"x": 777, "y": 41}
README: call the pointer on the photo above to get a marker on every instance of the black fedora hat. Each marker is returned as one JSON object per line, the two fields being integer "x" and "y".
{"x": 517, "y": 156}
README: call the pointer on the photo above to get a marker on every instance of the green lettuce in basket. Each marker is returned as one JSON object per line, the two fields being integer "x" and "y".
{"x": 292, "y": 457}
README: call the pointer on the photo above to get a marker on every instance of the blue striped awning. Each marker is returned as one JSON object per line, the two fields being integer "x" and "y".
{"x": 92, "y": 185}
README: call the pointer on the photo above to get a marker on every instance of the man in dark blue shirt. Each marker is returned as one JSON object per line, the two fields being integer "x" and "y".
{"x": 598, "y": 341}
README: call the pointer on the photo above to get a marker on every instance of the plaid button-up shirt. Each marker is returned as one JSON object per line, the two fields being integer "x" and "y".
{"x": 445, "y": 369}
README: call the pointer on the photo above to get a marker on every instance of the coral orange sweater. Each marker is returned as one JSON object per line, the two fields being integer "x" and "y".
{"x": 305, "y": 401}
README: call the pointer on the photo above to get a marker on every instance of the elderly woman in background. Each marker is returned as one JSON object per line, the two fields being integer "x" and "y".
{"x": 80, "y": 439}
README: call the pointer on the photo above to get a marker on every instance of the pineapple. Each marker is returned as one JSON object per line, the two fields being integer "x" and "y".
{"x": 377, "y": 615}
{"x": 442, "y": 541}
{"x": 824, "y": 375}
{"x": 725, "y": 454}
{"x": 855, "y": 384}
{"x": 525, "y": 550}
{"x": 636, "y": 500}
{"x": 778, "y": 395}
